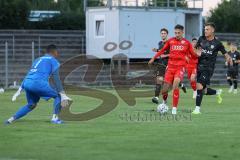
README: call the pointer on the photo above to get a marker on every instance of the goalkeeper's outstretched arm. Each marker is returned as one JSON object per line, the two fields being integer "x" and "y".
{"x": 59, "y": 87}
{"x": 16, "y": 94}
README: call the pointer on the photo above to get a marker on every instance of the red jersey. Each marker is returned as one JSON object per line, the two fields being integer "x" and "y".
{"x": 193, "y": 60}
{"x": 178, "y": 50}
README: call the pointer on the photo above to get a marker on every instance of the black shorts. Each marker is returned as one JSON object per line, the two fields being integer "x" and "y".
{"x": 232, "y": 74}
{"x": 204, "y": 76}
{"x": 159, "y": 70}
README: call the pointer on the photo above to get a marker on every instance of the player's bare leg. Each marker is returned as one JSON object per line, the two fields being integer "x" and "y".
{"x": 175, "y": 95}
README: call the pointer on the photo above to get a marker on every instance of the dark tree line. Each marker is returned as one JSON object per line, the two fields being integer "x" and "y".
{"x": 164, "y": 3}
{"x": 226, "y": 16}
{"x": 14, "y": 14}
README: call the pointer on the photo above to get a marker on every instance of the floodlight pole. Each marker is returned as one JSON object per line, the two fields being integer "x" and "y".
{"x": 109, "y": 3}
{"x": 33, "y": 52}
{"x": 6, "y": 65}
{"x": 84, "y": 5}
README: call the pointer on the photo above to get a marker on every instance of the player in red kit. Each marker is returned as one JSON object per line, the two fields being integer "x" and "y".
{"x": 179, "y": 48}
{"x": 191, "y": 68}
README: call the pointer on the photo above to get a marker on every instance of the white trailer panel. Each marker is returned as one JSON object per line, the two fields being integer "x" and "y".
{"x": 139, "y": 26}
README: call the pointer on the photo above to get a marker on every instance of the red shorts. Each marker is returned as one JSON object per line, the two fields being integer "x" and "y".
{"x": 174, "y": 72}
{"x": 190, "y": 71}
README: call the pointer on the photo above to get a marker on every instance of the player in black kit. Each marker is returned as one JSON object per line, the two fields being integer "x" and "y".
{"x": 160, "y": 67}
{"x": 208, "y": 47}
{"x": 232, "y": 72}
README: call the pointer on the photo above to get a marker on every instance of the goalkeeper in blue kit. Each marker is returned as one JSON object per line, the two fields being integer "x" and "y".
{"x": 36, "y": 86}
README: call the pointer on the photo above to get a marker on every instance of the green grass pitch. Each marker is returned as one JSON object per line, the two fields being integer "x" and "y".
{"x": 215, "y": 134}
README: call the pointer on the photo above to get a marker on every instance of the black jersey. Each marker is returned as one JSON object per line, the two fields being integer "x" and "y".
{"x": 209, "y": 54}
{"x": 163, "y": 60}
{"x": 235, "y": 57}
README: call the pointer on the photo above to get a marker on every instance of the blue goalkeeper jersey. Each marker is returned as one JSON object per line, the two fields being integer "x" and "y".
{"x": 43, "y": 67}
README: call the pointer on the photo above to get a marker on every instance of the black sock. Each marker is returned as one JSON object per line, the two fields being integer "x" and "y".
{"x": 199, "y": 97}
{"x": 211, "y": 91}
{"x": 230, "y": 82}
{"x": 157, "y": 90}
{"x": 235, "y": 83}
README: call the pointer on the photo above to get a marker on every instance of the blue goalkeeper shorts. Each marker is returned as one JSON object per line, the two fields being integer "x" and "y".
{"x": 36, "y": 89}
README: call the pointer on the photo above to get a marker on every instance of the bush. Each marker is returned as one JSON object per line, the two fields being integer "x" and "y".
{"x": 65, "y": 21}
{"x": 226, "y": 16}
{"x": 14, "y": 14}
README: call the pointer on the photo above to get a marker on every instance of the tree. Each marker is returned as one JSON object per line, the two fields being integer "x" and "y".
{"x": 43, "y": 4}
{"x": 14, "y": 14}
{"x": 72, "y": 15}
{"x": 164, "y": 3}
{"x": 65, "y": 21}
{"x": 22, "y": 13}
{"x": 226, "y": 16}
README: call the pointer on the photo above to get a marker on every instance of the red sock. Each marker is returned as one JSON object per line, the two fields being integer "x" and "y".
{"x": 175, "y": 97}
{"x": 165, "y": 96}
{"x": 194, "y": 85}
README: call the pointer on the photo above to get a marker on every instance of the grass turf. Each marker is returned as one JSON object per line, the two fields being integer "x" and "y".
{"x": 212, "y": 135}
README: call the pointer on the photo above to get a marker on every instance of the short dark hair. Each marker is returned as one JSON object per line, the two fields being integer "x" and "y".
{"x": 51, "y": 48}
{"x": 194, "y": 39}
{"x": 211, "y": 24}
{"x": 178, "y": 26}
{"x": 164, "y": 29}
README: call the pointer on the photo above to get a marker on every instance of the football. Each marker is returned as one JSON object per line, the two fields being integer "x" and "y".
{"x": 162, "y": 108}
{"x": 1, "y": 90}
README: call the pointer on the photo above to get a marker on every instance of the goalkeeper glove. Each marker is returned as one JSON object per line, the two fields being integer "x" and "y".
{"x": 65, "y": 100}
{"x": 14, "y": 97}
